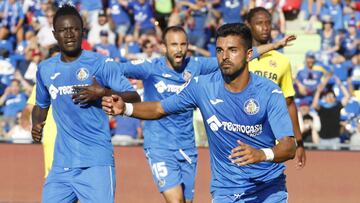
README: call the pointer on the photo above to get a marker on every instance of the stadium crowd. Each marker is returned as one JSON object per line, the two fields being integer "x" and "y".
{"x": 327, "y": 87}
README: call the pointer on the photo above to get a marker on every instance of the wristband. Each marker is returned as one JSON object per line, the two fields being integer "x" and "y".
{"x": 269, "y": 154}
{"x": 129, "y": 108}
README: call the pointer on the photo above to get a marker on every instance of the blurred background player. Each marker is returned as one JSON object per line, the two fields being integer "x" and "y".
{"x": 276, "y": 67}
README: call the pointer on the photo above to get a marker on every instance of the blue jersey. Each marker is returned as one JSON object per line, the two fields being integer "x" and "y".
{"x": 83, "y": 134}
{"x": 230, "y": 10}
{"x": 160, "y": 82}
{"x": 257, "y": 116}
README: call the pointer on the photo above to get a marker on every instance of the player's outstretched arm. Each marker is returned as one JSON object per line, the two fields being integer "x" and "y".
{"x": 86, "y": 94}
{"x": 274, "y": 46}
{"x": 114, "y": 105}
{"x": 245, "y": 154}
{"x": 38, "y": 121}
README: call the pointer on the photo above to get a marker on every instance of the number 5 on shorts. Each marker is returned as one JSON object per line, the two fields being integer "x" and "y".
{"x": 159, "y": 169}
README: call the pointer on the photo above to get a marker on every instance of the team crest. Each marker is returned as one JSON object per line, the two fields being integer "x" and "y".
{"x": 272, "y": 63}
{"x": 82, "y": 74}
{"x": 251, "y": 107}
{"x": 161, "y": 182}
{"x": 186, "y": 75}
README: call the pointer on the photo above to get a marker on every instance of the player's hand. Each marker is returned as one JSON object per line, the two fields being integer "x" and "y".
{"x": 86, "y": 94}
{"x": 300, "y": 157}
{"x": 285, "y": 41}
{"x": 113, "y": 105}
{"x": 245, "y": 154}
{"x": 36, "y": 131}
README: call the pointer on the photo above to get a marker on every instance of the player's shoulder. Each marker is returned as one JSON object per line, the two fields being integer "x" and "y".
{"x": 278, "y": 56}
{"x": 209, "y": 78}
{"x": 49, "y": 63}
{"x": 265, "y": 84}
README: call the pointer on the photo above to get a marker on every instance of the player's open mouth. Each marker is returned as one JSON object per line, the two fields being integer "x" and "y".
{"x": 178, "y": 57}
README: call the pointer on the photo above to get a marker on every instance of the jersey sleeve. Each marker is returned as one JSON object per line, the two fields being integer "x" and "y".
{"x": 182, "y": 102}
{"x": 42, "y": 94}
{"x": 208, "y": 65}
{"x": 286, "y": 82}
{"x": 112, "y": 76}
{"x": 138, "y": 69}
{"x": 278, "y": 115}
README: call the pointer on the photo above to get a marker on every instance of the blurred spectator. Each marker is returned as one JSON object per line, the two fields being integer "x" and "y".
{"x": 119, "y": 18}
{"x": 334, "y": 9}
{"x": 163, "y": 9}
{"x": 350, "y": 44}
{"x": 148, "y": 52}
{"x": 90, "y": 11}
{"x": 309, "y": 123}
{"x": 196, "y": 22}
{"x": 102, "y": 24}
{"x": 6, "y": 70}
{"x": 329, "y": 113}
{"x": 130, "y": 46}
{"x": 30, "y": 73}
{"x": 12, "y": 20}
{"x": 45, "y": 36}
{"x": 105, "y": 48}
{"x": 21, "y": 132}
{"x": 355, "y": 138}
{"x": 232, "y": 11}
{"x": 329, "y": 43}
{"x": 12, "y": 101}
{"x": 143, "y": 14}
{"x": 308, "y": 78}
{"x": 127, "y": 129}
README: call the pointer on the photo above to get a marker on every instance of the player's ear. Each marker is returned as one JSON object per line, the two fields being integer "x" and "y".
{"x": 249, "y": 55}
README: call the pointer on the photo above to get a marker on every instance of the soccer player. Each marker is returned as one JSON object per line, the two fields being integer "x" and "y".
{"x": 244, "y": 114}
{"x": 83, "y": 166}
{"x": 276, "y": 67}
{"x": 169, "y": 142}
{"x": 172, "y": 159}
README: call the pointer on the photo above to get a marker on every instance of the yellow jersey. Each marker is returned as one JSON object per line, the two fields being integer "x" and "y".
{"x": 49, "y": 134}
{"x": 276, "y": 67}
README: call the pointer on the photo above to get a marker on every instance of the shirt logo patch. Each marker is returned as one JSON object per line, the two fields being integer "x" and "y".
{"x": 53, "y": 91}
{"x": 251, "y": 130}
{"x": 54, "y": 76}
{"x": 251, "y": 107}
{"x": 272, "y": 63}
{"x": 216, "y": 101}
{"x": 276, "y": 91}
{"x": 186, "y": 75}
{"x": 165, "y": 75}
{"x": 82, "y": 74}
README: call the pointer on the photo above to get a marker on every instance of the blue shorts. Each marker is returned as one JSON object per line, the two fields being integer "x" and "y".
{"x": 271, "y": 192}
{"x": 90, "y": 184}
{"x": 171, "y": 168}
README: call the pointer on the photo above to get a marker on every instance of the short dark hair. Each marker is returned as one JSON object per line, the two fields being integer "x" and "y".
{"x": 175, "y": 28}
{"x": 254, "y": 11}
{"x": 67, "y": 9}
{"x": 236, "y": 29}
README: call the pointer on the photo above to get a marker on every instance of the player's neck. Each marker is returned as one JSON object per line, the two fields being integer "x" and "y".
{"x": 257, "y": 43}
{"x": 66, "y": 57}
{"x": 239, "y": 83}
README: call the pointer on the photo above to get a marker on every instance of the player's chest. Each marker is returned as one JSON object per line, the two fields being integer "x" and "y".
{"x": 269, "y": 68}
{"x": 169, "y": 82}
{"x": 61, "y": 81}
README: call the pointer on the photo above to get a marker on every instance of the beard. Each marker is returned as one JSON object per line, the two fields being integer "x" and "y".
{"x": 229, "y": 75}
{"x": 174, "y": 64}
